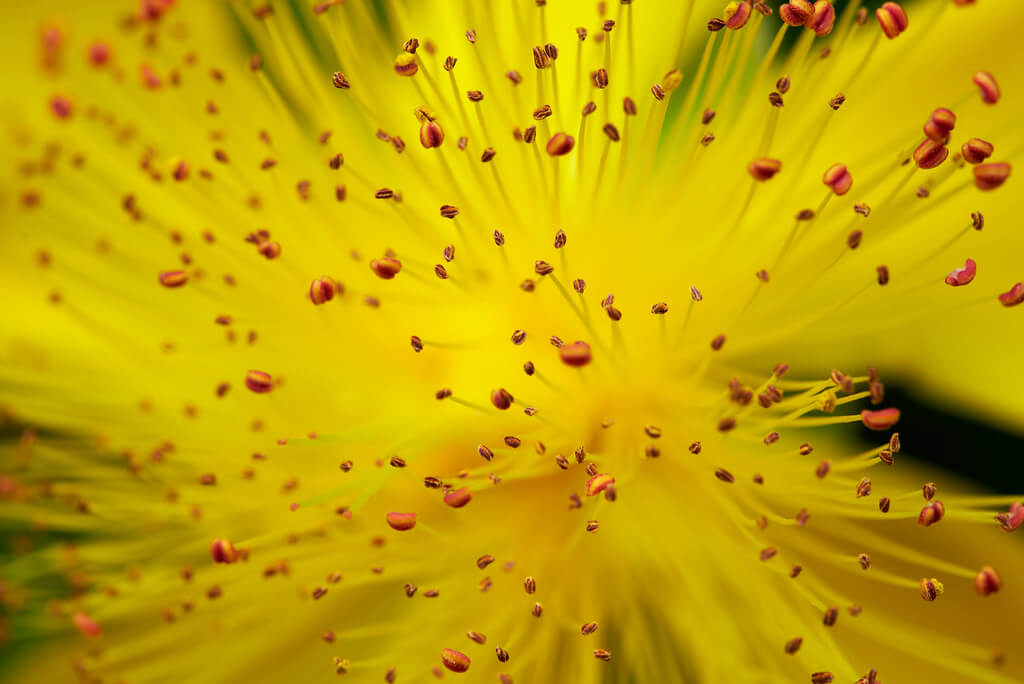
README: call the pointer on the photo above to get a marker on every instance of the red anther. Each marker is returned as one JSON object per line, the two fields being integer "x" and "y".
{"x": 939, "y": 125}
{"x": 149, "y": 77}
{"x": 86, "y": 625}
{"x": 180, "y": 172}
{"x": 61, "y": 106}
{"x": 576, "y": 354}
{"x": 431, "y": 134}
{"x": 892, "y": 18}
{"x": 454, "y": 660}
{"x": 405, "y": 64}
{"x": 501, "y": 398}
{"x": 822, "y": 19}
{"x": 1013, "y": 296}
{"x": 763, "y": 169}
{"x": 258, "y": 382}
{"x": 976, "y": 150}
{"x": 560, "y": 144}
{"x": 987, "y": 581}
{"x": 1012, "y": 520}
{"x": 99, "y": 53}
{"x": 838, "y": 178}
{"x": 933, "y": 512}
{"x": 796, "y": 13}
{"x": 989, "y": 88}
{"x": 386, "y": 267}
{"x": 598, "y": 483}
{"x": 962, "y": 276}
{"x": 322, "y": 290}
{"x": 223, "y": 551}
{"x": 270, "y": 250}
{"x": 880, "y": 420}
{"x": 736, "y": 14}
{"x": 401, "y": 521}
{"x": 173, "y": 278}
{"x": 991, "y": 176}
{"x": 458, "y": 498}
{"x": 930, "y": 154}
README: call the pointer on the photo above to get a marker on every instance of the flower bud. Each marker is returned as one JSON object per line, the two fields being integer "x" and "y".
{"x": 930, "y": 154}
{"x": 892, "y": 18}
{"x": 764, "y": 169}
{"x": 991, "y": 176}
{"x": 838, "y": 178}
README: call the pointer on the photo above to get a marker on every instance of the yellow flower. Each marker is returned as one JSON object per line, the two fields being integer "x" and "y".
{"x": 389, "y": 339}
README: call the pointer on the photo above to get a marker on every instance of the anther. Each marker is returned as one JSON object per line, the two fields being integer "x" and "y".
{"x": 223, "y": 551}
{"x": 474, "y": 95}
{"x": 781, "y": 85}
{"x": 736, "y": 14}
{"x": 454, "y": 660}
{"x": 577, "y": 354}
{"x": 863, "y": 487}
{"x": 598, "y": 483}
{"x": 987, "y": 581}
{"x": 543, "y": 268}
{"x": 502, "y": 654}
{"x": 477, "y": 637}
{"x": 386, "y": 267}
{"x": 258, "y": 381}
{"x": 724, "y": 475}
{"x": 883, "y": 419}
{"x": 796, "y": 13}
{"x": 928, "y": 490}
{"x": 939, "y": 125}
{"x": 768, "y": 553}
{"x": 540, "y": 58}
{"x": 764, "y": 169}
{"x": 715, "y": 25}
{"x": 883, "y": 274}
{"x": 962, "y": 276}
{"x": 822, "y": 19}
{"x": 1013, "y": 519}
{"x": 892, "y": 19}
{"x": 513, "y": 442}
{"x": 822, "y": 678}
{"x": 932, "y": 513}
{"x": 883, "y": 504}
{"x": 991, "y": 176}
{"x": 603, "y": 654}
{"x": 458, "y": 497}
{"x": 976, "y": 150}
{"x": 775, "y": 99}
{"x": 322, "y": 290}
{"x": 836, "y": 102}
{"x": 718, "y": 342}
{"x": 600, "y": 78}
{"x": 431, "y": 482}
{"x": 986, "y": 82}
{"x": 542, "y": 112}
{"x": 405, "y": 64}
{"x": 931, "y": 588}
{"x": 831, "y": 615}
{"x": 1013, "y": 296}
{"x": 838, "y": 178}
{"x": 658, "y": 92}
{"x": 173, "y": 278}
{"x": 793, "y": 645}
{"x": 431, "y": 134}
{"x": 864, "y": 561}
{"x": 443, "y": 393}
{"x": 401, "y": 521}
{"x": 560, "y": 144}
{"x": 806, "y": 449}
{"x": 611, "y": 131}
{"x": 853, "y": 240}
{"x": 930, "y": 154}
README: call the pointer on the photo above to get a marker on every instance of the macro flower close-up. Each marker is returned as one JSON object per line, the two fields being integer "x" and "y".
{"x": 634, "y": 341}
